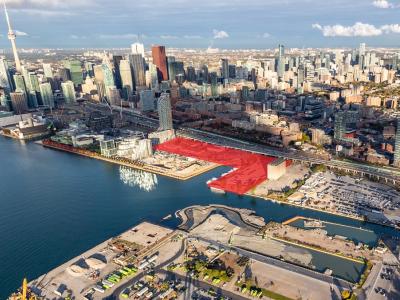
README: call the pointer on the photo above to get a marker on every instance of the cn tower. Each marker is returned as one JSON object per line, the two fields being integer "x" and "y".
{"x": 12, "y": 36}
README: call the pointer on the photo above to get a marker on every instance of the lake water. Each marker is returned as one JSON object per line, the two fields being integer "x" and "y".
{"x": 54, "y": 206}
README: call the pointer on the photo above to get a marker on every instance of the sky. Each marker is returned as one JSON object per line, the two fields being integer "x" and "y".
{"x": 225, "y": 24}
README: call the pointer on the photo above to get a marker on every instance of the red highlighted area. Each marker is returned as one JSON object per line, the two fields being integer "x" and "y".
{"x": 252, "y": 169}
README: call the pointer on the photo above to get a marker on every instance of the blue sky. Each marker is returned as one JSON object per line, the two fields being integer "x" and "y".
{"x": 199, "y": 24}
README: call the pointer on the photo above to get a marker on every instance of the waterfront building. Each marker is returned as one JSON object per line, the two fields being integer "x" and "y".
{"x": 397, "y": 145}
{"x": 138, "y": 48}
{"x": 75, "y": 71}
{"x": 68, "y": 91}
{"x": 108, "y": 148}
{"x": 46, "y": 93}
{"x": 19, "y": 102}
{"x": 276, "y": 169}
{"x": 165, "y": 112}
{"x": 160, "y": 60}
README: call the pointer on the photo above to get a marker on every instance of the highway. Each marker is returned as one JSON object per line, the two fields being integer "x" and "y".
{"x": 387, "y": 173}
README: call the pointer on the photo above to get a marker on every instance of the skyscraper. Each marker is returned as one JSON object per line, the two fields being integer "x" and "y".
{"x": 397, "y": 145}
{"x": 160, "y": 60}
{"x": 68, "y": 91}
{"x": 19, "y": 83}
{"x": 108, "y": 72}
{"x": 139, "y": 74}
{"x": 75, "y": 71}
{"x": 224, "y": 68}
{"x": 147, "y": 100}
{"x": 19, "y": 102}
{"x": 165, "y": 112}
{"x": 47, "y": 94}
{"x": 138, "y": 48}
{"x": 153, "y": 71}
{"x": 117, "y": 75}
{"x": 5, "y": 79}
{"x": 281, "y": 61}
{"x": 48, "y": 71}
{"x": 12, "y": 36}
{"x": 340, "y": 125}
{"x": 126, "y": 76}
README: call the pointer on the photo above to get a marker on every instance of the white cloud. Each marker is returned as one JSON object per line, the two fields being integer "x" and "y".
{"x": 391, "y": 28}
{"x": 358, "y": 29}
{"x": 383, "y": 4}
{"x": 220, "y": 34}
{"x": 127, "y": 36}
{"x": 168, "y": 37}
{"x": 266, "y": 35}
{"x": 20, "y": 33}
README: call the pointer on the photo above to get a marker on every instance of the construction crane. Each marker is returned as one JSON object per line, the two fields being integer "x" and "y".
{"x": 24, "y": 293}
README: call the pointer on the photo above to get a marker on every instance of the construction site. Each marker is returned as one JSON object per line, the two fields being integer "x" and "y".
{"x": 249, "y": 169}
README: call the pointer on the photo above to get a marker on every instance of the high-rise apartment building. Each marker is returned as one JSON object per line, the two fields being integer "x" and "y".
{"x": 19, "y": 102}
{"x": 160, "y": 60}
{"x": 68, "y": 91}
{"x": 165, "y": 112}
{"x": 19, "y": 83}
{"x": 75, "y": 71}
{"x": 46, "y": 93}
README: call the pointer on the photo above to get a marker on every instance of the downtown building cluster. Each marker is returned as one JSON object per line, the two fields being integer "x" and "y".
{"x": 322, "y": 101}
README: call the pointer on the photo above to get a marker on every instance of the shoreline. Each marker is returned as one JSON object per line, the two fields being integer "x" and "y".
{"x": 96, "y": 156}
{"x": 145, "y": 168}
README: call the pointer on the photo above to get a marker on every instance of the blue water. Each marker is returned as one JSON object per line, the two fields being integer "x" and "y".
{"x": 54, "y": 206}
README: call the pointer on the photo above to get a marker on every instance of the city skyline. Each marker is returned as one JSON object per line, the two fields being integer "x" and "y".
{"x": 189, "y": 24}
